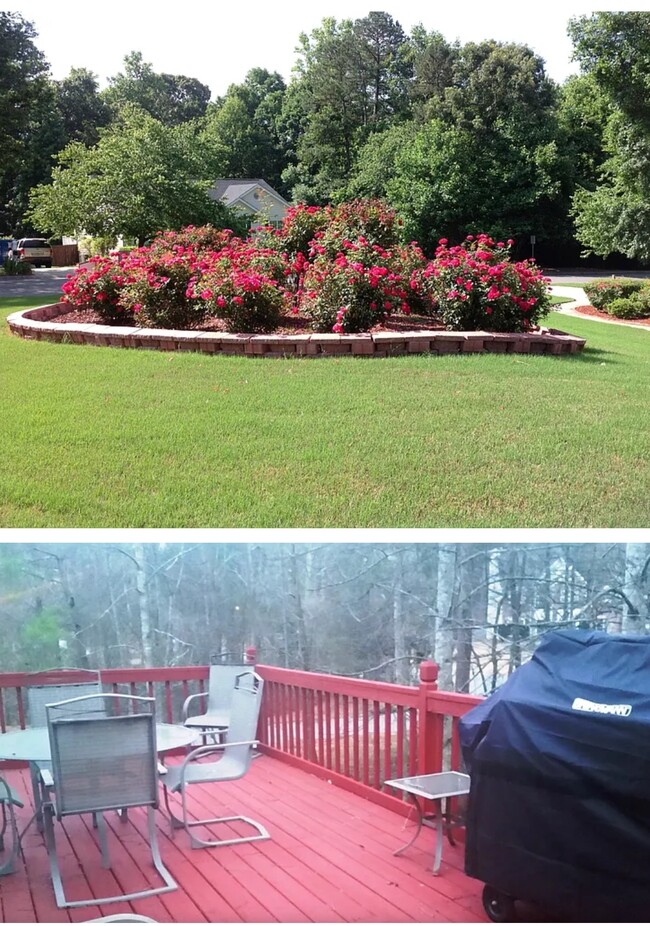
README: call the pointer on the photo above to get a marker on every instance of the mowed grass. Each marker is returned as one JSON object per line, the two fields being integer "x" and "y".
{"x": 100, "y": 437}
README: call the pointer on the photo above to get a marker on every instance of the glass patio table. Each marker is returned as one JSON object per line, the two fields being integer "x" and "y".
{"x": 436, "y": 787}
{"x": 33, "y": 745}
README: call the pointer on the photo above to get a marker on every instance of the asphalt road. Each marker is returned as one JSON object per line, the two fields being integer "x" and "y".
{"x": 43, "y": 280}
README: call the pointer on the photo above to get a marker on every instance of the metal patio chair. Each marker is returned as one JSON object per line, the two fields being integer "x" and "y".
{"x": 38, "y": 697}
{"x": 237, "y": 752}
{"x": 103, "y": 760}
{"x": 214, "y": 722}
{"x": 8, "y": 800}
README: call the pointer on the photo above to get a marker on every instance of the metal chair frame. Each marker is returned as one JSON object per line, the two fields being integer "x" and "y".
{"x": 8, "y": 800}
{"x": 235, "y": 762}
{"x": 221, "y": 682}
{"x": 65, "y": 804}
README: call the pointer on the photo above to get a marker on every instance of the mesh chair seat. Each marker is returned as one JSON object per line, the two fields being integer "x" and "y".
{"x": 216, "y": 719}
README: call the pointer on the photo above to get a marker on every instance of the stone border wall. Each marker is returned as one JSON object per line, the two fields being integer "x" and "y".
{"x": 37, "y": 324}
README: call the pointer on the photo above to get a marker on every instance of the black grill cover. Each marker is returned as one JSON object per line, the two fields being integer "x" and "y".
{"x": 559, "y": 758}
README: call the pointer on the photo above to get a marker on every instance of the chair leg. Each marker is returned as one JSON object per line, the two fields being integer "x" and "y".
{"x": 196, "y": 842}
{"x": 37, "y": 791}
{"x": 59, "y": 893}
{"x": 9, "y": 820}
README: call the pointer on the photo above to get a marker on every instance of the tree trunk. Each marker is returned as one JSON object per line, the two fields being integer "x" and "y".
{"x": 636, "y": 608}
{"x": 447, "y": 558}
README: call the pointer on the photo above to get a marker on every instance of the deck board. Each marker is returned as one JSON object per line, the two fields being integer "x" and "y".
{"x": 329, "y": 859}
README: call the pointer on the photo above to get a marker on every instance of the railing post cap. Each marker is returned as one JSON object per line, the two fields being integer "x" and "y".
{"x": 428, "y": 671}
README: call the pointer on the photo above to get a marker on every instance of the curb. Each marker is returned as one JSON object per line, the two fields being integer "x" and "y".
{"x": 37, "y": 324}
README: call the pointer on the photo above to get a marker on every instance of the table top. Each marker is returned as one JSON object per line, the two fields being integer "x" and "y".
{"x": 435, "y": 785}
{"x": 33, "y": 744}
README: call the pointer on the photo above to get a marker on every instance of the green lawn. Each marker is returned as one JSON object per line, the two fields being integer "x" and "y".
{"x": 98, "y": 437}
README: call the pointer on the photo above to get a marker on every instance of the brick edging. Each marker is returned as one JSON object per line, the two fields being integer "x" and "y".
{"x": 37, "y": 324}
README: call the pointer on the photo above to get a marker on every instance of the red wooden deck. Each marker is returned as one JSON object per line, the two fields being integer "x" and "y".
{"x": 329, "y": 859}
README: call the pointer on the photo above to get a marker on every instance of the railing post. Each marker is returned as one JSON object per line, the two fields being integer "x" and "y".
{"x": 250, "y": 655}
{"x": 430, "y": 724}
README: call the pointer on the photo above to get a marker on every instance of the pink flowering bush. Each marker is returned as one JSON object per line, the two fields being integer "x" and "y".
{"x": 300, "y": 225}
{"x": 247, "y": 300}
{"x": 98, "y": 288}
{"x": 338, "y": 268}
{"x": 159, "y": 291}
{"x": 354, "y": 291}
{"x": 368, "y": 219}
{"x": 475, "y": 286}
{"x": 196, "y": 238}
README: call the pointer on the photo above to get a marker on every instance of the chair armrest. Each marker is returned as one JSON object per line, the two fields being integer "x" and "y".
{"x": 8, "y": 795}
{"x": 215, "y": 747}
{"x": 187, "y": 702}
{"x": 46, "y": 778}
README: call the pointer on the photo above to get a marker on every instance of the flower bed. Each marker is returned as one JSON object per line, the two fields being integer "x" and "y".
{"x": 333, "y": 275}
{"x": 342, "y": 269}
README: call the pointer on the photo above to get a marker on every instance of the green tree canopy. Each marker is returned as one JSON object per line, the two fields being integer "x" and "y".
{"x": 245, "y": 129}
{"x": 614, "y": 51}
{"x": 142, "y": 176}
{"x": 170, "y": 98}
{"x": 23, "y": 86}
{"x": 352, "y": 78}
{"x": 490, "y": 161}
{"x": 82, "y": 108}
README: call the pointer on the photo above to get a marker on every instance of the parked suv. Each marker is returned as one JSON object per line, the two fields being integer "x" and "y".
{"x": 34, "y": 251}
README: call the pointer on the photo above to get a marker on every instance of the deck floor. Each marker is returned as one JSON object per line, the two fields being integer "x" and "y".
{"x": 329, "y": 860}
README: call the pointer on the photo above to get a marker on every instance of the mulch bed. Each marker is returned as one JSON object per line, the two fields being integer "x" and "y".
{"x": 289, "y": 324}
{"x": 597, "y": 313}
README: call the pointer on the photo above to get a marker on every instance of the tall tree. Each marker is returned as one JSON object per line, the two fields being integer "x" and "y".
{"x": 246, "y": 131}
{"x": 352, "y": 79}
{"x": 142, "y": 176}
{"x": 614, "y": 48}
{"x": 82, "y": 108}
{"x": 170, "y": 98}
{"x": 23, "y": 84}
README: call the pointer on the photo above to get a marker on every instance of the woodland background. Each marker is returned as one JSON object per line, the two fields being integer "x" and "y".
{"x": 361, "y": 609}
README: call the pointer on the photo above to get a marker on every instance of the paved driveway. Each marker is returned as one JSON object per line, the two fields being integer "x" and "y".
{"x": 43, "y": 280}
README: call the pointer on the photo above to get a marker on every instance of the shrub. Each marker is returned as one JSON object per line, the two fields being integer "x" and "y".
{"x": 18, "y": 268}
{"x": 159, "y": 291}
{"x": 368, "y": 220}
{"x": 98, "y": 287}
{"x": 247, "y": 301}
{"x": 198, "y": 238}
{"x": 409, "y": 261}
{"x": 355, "y": 291}
{"x": 602, "y": 292}
{"x": 475, "y": 286}
{"x": 300, "y": 225}
{"x": 636, "y": 306}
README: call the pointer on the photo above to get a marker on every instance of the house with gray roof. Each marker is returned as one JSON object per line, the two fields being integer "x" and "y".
{"x": 258, "y": 201}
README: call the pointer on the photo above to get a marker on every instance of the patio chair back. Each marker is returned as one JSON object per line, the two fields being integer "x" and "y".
{"x": 102, "y": 762}
{"x": 221, "y": 684}
{"x": 39, "y": 696}
{"x": 245, "y": 705}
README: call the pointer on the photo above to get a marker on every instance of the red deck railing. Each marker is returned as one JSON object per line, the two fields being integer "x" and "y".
{"x": 356, "y": 733}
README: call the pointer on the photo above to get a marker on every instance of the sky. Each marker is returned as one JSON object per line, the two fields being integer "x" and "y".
{"x": 218, "y": 42}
